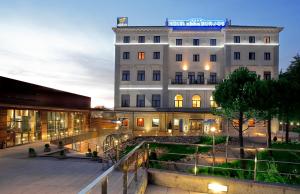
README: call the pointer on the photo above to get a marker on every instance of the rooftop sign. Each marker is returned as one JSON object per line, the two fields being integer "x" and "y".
{"x": 196, "y": 22}
{"x": 122, "y": 21}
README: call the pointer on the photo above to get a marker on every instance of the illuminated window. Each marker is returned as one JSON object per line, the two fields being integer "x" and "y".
{"x": 141, "y": 55}
{"x": 213, "y": 103}
{"x": 196, "y": 101}
{"x": 178, "y": 101}
{"x": 267, "y": 39}
{"x": 155, "y": 122}
{"x": 140, "y": 122}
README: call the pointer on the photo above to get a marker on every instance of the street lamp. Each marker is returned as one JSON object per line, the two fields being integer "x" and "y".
{"x": 213, "y": 129}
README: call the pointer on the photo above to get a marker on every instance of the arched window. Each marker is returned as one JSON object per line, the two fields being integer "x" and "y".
{"x": 196, "y": 101}
{"x": 213, "y": 103}
{"x": 178, "y": 101}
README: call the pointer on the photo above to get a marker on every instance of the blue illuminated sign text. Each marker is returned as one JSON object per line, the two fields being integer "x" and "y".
{"x": 197, "y": 22}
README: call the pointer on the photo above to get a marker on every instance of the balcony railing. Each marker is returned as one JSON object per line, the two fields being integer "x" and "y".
{"x": 213, "y": 81}
{"x": 196, "y": 81}
{"x": 179, "y": 81}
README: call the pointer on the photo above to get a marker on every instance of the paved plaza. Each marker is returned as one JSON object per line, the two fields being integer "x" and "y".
{"x": 20, "y": 174}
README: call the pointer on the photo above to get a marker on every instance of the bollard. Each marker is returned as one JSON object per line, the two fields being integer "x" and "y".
{"x": 104, "y": 185}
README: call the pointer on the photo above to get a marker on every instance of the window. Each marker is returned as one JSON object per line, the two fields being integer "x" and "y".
{"x": 126, "y": 55}
{"x": 252, "y": 56}
{"x": 178, "y": 57}
{"x": 267, "y": 56}
{"x": 178, "y": 101}
{"x": 196, "y": 57}
{"x": 196, "y": 101}
{"x": 236, "y": 39}
{"x": 213, "y": 103}
{"x": 213, "y": 42}
{"x": 140, "y": 122}
{"x": 141, "y": 56}
{"x": 251, "y": 39}
{"x": 126, "y": 39}
{"x": 156, "y": 39}
{"x": 155, "y": 100}
{"x": 125, "y": 100}
{"x": 141, "y": 39}
{"x": 213, "y": 58}
{"x": 141, "y": 75}
{"x": 236, "y": 55}
{"x": 196, "y": 42}
{"x": 267, "y": 39}
{"x": 267, "y": 75}
{"x": 156, "y": 75}
{"x": 200, "y": 78}
{"x": 140, "y": 100}
{"x": 126, "y": 75}
{"x": 191, "y": 77}
{"x": 156, "y": 55}
{"x": 213, "y": 78}
{"x": 178, "y": 41}
{"x": 178, "y": 78}
{"x": 155, "y": 122}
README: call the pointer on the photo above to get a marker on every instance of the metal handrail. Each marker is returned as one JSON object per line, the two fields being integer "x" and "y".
{"x": 104, "y": 175}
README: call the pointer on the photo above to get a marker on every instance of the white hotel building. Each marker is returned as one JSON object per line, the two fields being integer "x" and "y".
{"x": 165, "y": 75}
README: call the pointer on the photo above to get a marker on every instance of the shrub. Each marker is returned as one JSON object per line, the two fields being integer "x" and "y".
{"x": 60, "y": 145}
{"x": 47, "y": 148}
{"x": 95, "y": 154}
{"x": 31, "y": 152}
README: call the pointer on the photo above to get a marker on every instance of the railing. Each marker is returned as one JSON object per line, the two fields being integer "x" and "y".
{"x": 203, "y": 158}
{"x": 133, "y": 161}
{"x": 179, "y": 81}
{"x": 211, "y": 162}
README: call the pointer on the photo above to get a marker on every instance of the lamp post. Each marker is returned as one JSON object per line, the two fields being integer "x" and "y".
{"x": 213, "y": 129}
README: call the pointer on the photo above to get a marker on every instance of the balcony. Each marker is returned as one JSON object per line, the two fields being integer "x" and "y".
{"x": 213, "y": 81}
{"x": 179, "y": 81}
{"x": 196, "y": 82}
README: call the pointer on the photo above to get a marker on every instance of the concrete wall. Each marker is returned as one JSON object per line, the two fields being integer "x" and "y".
{"x": 200, "y": 183}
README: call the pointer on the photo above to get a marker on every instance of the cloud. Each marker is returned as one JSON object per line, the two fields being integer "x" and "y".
{"x": 75, "y": 61}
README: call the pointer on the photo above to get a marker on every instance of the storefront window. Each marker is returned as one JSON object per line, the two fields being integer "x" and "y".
{"x": 140, "y": 122}
{"x": 23, "y": 126}
{"x": 78, "y": 122}
{"x": 57, "y": 123}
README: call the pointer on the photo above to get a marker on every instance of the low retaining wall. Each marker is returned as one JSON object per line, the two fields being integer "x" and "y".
{"x": 200, "y": 183}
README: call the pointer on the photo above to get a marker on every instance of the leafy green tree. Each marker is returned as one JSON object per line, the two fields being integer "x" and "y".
{"x": 266, "y": 103}
{"x": 236, "y": 95}
{"x": 288, "y": 90}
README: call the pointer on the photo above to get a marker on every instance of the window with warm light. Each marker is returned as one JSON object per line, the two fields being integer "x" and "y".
{"x": 141, "y": 55}
{"x": 155, "y": 122}
{"x": 196, "y": 101}
{"x": 213, "y": 103}
{"x": 178, "y": 101}
{"x": 140, "y": 122}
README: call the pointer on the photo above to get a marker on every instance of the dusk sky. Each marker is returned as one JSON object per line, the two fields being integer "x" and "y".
{"x": 69, "y": 44}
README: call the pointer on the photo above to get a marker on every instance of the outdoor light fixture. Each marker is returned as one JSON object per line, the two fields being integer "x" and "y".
{"x": 184, "y": 67}
{"x": 213, "y": 129}
{"x": 206, "y": 67}
{"x": 298, "y": 124}
{"x": 292, "y": 123}
{"x": 169, "y": 130}
{"x": 215, "y": 187}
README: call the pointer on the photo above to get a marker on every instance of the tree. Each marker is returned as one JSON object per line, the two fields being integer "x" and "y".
{"x": 236, "y": 94}
{"x": 266, "y": 102}
{"x": 288, "y": 90}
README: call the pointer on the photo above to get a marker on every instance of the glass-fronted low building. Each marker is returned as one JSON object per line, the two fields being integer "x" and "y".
{"x": 30, "y": 112}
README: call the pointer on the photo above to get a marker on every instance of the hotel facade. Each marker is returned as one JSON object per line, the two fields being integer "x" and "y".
{"x": 165, "y": 75}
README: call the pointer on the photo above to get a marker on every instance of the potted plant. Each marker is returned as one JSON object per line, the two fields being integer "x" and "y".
{"x": 89, "y": 153}
{"x": 47, "y": 148}
{"x": 60, "y": 145}
{"x": 62, "y": 154}
{"x": 31, "y": 153}
{"x": 95, "y": 155}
